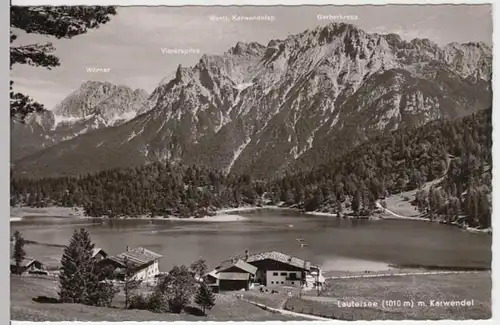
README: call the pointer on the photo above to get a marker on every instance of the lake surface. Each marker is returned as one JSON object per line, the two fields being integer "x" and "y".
{"x": 334, "y": 244}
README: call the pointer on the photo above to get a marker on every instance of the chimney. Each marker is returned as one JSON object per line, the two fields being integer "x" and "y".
{"x": 246, "y": 254}
{"x": 128, "y": 248}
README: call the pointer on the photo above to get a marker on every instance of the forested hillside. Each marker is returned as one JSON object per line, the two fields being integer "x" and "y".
{"x": 154, "y": 189}
{"x": 456, "y": 152}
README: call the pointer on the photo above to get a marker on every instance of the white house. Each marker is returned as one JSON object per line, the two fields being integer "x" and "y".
{"x": 141, "y": 262}
{"x": 279, "y": 269}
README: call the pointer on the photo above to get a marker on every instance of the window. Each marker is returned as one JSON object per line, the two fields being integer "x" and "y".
{"x": 275, "y": 273}
{"x": 282, "y": 282}
{"x": 293, "y": 282}
{"x": 272, "y": 282}
{"x": 283, "y": 273}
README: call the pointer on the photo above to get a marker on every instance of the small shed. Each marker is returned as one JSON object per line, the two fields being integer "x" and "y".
{"x": 212, "y": 280}
{"x": 99, "y": 254}
{"x": 234, "y": 274}
{"x": 230, "y": 281}
{"x": 28, "y": 265}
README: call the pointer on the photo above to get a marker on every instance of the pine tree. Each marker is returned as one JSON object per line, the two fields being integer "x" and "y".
{"x": 19, "y": 252}
{"x": 205, "y": 297}
{"x": 356, "y": 203}
{"x": 77, "y": 267}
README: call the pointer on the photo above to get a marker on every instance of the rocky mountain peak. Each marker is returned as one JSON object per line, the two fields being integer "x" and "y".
{"x": 110, "y": 102}
{"x": 301, "y": 99}
{"x": 242, "y": 48}
{"x": 178, "y": 73}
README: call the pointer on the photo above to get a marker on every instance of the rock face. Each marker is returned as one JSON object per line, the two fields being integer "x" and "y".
{"x": 112, "y": 104}
{"x": 93, "y": 106}
{"x": 291, "y": 104}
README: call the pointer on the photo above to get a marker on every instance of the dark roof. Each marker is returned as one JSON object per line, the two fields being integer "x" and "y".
{"x": 233, "y": 276}
{"x": 249, "y": 268}
{"x": 280, "y": 257}
{"x": 136, "y": 257}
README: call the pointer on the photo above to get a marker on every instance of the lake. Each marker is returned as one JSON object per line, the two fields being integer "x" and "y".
{"x": 332, "y": 243}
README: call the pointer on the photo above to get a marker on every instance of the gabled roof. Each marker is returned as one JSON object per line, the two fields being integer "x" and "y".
{"x": 233, "y": 276}
{"x": 213, "y": 274}
{"x": 280, "y": 257}
{"x": 96, "y": 251}
{"x": 25, "y": 263}
{"x": 249, "y": 268}
{"x": 136, "y": 257}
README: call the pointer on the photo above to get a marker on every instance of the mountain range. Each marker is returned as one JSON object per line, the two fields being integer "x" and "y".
{"x": 95, "y": 105}
{"x": 261, "y": 109}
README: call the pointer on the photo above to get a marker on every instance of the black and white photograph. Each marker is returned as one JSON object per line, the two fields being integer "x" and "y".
{"x": 251, "y": 163}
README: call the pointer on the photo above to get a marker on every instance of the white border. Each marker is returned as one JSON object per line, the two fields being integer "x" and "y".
{"x": 496, "y": 61}
{"x": 237, "y": 2}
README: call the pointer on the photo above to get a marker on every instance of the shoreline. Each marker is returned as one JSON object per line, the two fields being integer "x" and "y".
{"x": 18, "y": 214}
{"x": 215, "y": 218}
{"x": 395, "y": 216}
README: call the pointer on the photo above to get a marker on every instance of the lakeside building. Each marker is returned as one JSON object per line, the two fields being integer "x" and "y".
{"x": 141, "y": 262}
{"x": 99, "y": 254}
{"x": 28, "y": 266}
{"x": 234, "y": 274}
{"x": 270, "y": 269}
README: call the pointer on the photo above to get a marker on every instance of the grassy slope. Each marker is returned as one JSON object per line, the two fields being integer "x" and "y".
{"x": 476, "y": 286}
{"x": 23, "y": 289}
{"x": 398, "y": 205}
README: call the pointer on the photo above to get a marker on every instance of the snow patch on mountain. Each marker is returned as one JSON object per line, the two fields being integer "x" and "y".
{"x": 243, "y": 86}
{"x": 61, "y": 119}
{"x": 236, "y": 154}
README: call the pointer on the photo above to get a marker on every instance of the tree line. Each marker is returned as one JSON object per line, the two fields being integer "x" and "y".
{"x": 456, "y": 152}
{"x": 156, "y": 189}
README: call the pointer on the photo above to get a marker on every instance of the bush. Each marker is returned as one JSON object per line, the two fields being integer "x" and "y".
{"x": 46, "y": 300}
{"x": 178, "y": 286}
{"x": 155, "y": 302}
{"x": 138, "y": 301}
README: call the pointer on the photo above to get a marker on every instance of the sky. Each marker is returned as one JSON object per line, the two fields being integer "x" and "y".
{"x": 130, "y": 45}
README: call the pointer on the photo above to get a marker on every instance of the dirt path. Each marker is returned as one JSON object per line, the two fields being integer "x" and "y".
{"x": 285, "y": 312}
